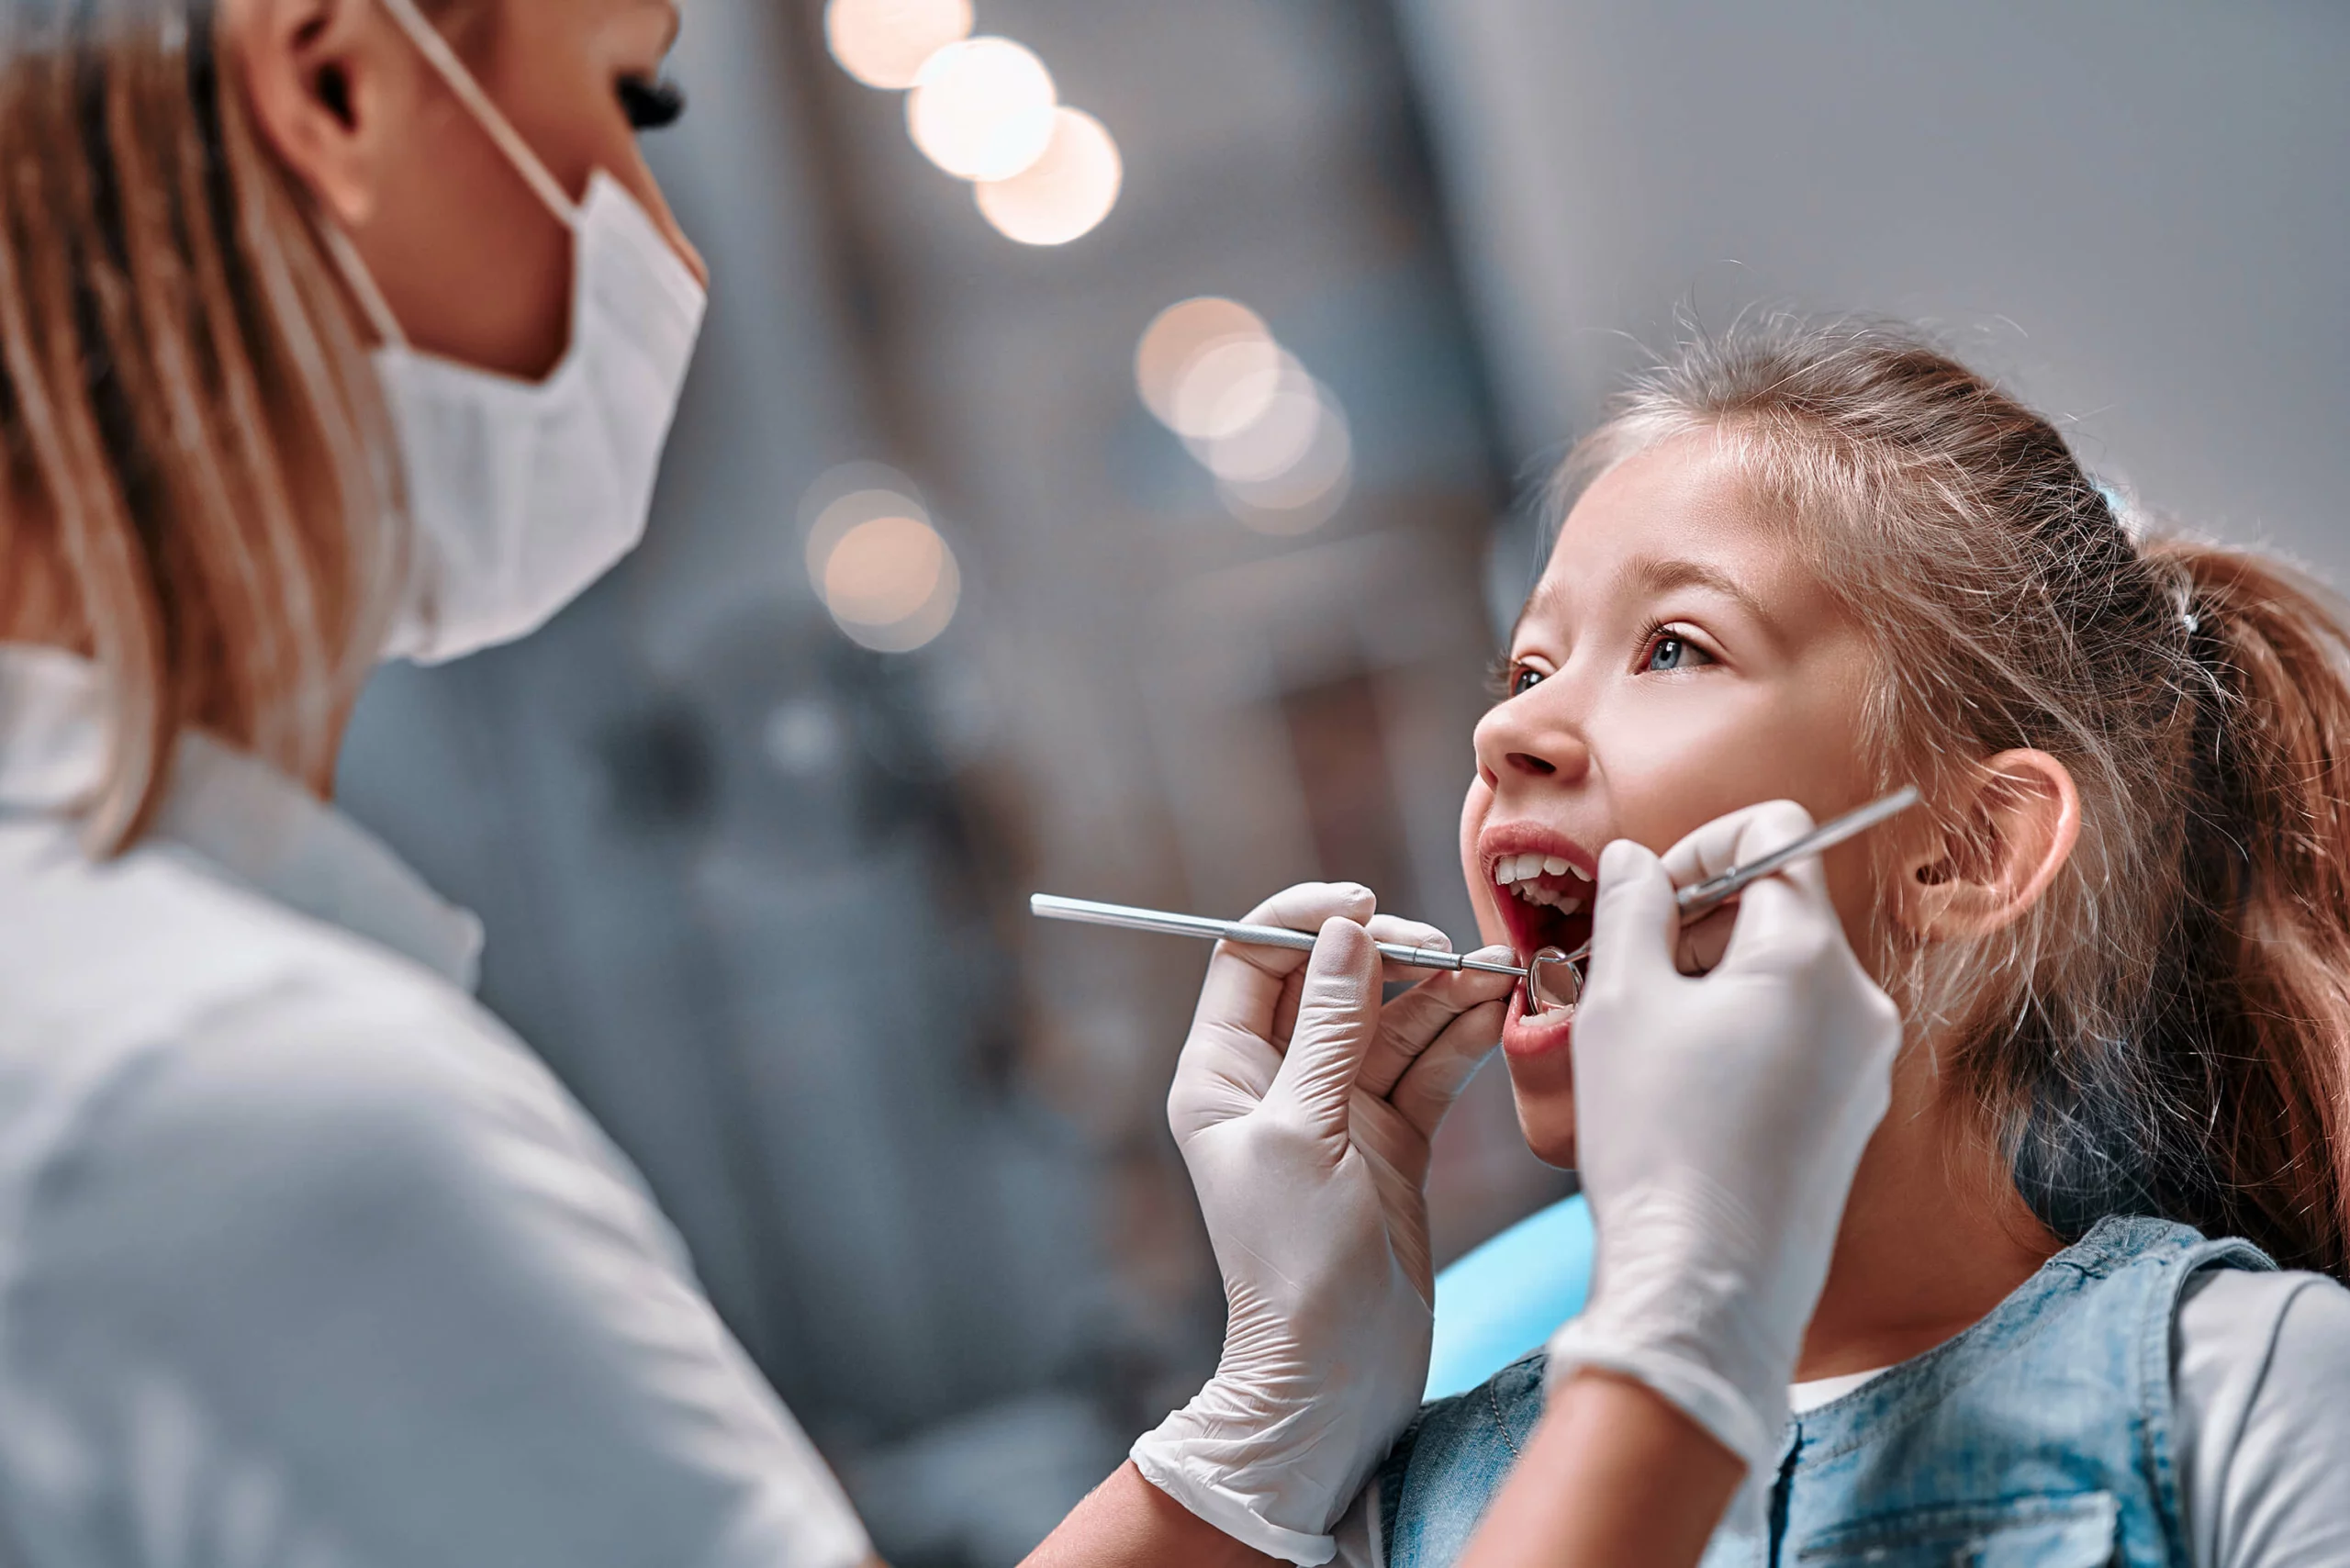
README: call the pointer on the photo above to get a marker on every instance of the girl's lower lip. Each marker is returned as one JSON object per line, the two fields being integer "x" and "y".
{"x": 1523, "y": 1037}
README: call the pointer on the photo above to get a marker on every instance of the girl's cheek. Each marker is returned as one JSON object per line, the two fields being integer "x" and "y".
{"x": 1473, "y": 810}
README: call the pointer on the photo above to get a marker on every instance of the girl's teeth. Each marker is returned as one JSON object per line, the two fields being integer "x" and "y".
{"x": 1519, "y": 870}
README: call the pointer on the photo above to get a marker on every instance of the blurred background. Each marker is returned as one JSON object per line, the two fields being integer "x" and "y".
{"x": 1108, "y": 472}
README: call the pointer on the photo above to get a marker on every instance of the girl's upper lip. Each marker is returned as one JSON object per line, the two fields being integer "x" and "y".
{"x": 1524, "y": 838}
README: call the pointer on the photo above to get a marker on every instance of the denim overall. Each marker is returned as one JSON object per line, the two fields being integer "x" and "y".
{"x": 2039, "y": 1436}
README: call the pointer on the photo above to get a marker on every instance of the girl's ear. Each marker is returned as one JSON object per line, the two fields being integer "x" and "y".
{"x": 327, "y": 83}
{"x": 2020, "y": 823}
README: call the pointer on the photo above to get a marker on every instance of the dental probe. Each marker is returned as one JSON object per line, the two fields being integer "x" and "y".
{"x": 1703, "y": 897}
{"x": 1698, "y": 899}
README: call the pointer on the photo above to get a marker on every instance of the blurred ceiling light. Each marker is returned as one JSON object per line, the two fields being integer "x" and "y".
{"x": 884, "y": 570}
{"x": 1178, "y": 336}
{"x": 1309, "y": 492}
{"x": 852, "y": 494}
{"x": 982, "y": 109}
{"x": 1228, "y": 387}
{"x": 1277, "y": 439}
{"x": 1064, "y": 194}
{"x": 885, "y": 43}
{"x": 891, "y": 582}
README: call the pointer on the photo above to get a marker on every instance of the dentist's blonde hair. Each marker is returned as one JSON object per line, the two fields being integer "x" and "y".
{"x": 197, "y": 486}
{"x": 2168, "y": 1030}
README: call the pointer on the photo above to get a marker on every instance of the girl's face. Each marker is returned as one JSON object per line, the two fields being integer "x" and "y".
{"x": 1678, "y": 660}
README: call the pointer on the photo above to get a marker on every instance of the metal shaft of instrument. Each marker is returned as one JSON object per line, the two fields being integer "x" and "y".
{"x": 1128, "y": 918}
{"x": 1696, "y": 900}
{"x": 1701, "y": 898}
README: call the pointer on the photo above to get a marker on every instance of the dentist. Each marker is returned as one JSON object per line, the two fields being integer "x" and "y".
{"x": 335, "y": 330}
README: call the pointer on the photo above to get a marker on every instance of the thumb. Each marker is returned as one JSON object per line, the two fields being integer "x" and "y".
{"x": 1633, "y": 918}
{"x": 1337, "y": 1015}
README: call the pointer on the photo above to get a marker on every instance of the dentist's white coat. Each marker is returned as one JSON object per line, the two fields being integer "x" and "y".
{"x": 304, "y": 1259}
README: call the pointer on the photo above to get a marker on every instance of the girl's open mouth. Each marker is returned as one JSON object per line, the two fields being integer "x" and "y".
{"x": 1542, "y": 885}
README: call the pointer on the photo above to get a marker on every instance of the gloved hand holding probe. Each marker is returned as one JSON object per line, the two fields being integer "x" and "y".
{"x": 1303, "y": 1109}
{"x": 1720, "y": 1121}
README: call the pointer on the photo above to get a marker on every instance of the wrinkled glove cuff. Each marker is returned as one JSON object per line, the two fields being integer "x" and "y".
{"x": 1195, "y": 1483}
{"x": 1728, "y": 1413}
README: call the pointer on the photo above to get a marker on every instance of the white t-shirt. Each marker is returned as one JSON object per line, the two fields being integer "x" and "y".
{"x": 304, "y": 1261}
{"x": 2260, "y": 1376}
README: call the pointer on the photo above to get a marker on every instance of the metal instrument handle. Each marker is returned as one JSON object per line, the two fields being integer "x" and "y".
{"x": 1701, "y": 898}
{"x": 1127, "y": 918}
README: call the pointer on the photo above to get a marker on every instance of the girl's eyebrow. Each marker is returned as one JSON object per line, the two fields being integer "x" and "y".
{"x": 1655, "y": 575}
{"x": 1659, "y": 574}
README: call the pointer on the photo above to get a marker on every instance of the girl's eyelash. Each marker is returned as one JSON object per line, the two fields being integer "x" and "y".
{"x": 1656, "y": 629}
{"x": 1498, "y": 675}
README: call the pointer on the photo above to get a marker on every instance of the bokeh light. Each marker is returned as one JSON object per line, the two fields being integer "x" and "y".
{"x": 1310, "y": 491}
{"x": 1228, "y": 387}
{"x": 1177, "y": 338}
{"x": 1284, "y": 412}
{"x": 1065, "y": 194}
{"x": 885, "y": 43}
{"x": 1275, "y": 438}
{"x": 983, "y": 109}
{"x": 883, "y": 570}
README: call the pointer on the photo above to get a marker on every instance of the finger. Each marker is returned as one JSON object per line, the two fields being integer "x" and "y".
{"x": 1765, "y": 918}
{"x": 1436, "y": 1078}
{"x": 1410, "y": 1023}
{"x": 1789, "y": 911}
{"x": 1702, "y": 944}
{"x": 1633, "y": 918}
{"x": 1728, "y": 841}
{"x": 1338, "y": 1014}
{"x": 1401, "y": 933}
{"x": 1243, "y": 988}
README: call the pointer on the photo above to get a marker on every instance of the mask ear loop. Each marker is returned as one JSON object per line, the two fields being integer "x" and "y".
{"x": 436, "y": 51}
{"x": 493, "y": 122}
{"x": 361, "y": 283}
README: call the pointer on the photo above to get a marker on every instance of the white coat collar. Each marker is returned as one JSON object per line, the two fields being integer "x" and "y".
{"x": 231, "y": 809}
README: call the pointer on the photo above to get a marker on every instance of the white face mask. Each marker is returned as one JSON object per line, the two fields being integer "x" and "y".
{"x": 523, "y": 494}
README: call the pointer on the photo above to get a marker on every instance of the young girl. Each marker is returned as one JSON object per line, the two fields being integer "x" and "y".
{"x": 1816, "y": 561}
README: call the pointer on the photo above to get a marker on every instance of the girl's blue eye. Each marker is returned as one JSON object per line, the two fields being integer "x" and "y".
{"x": 1524, "y": 680}
{"x": 1668, "y": 652}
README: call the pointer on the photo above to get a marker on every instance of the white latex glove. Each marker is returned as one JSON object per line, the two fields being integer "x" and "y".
{"x": 1719, "y": 1122}
{"x": 1304, "y": 1110}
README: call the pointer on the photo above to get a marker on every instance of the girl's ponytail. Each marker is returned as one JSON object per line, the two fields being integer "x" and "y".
{"x": 2255, "y": 983}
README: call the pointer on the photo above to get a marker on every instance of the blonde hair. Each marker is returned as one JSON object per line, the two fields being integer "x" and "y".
{"x": 2168, "y": 1030}
{"x": 200, "y": 492}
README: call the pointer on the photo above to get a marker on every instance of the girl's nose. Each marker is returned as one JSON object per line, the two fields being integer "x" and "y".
{"x": 1525, "y": 741}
